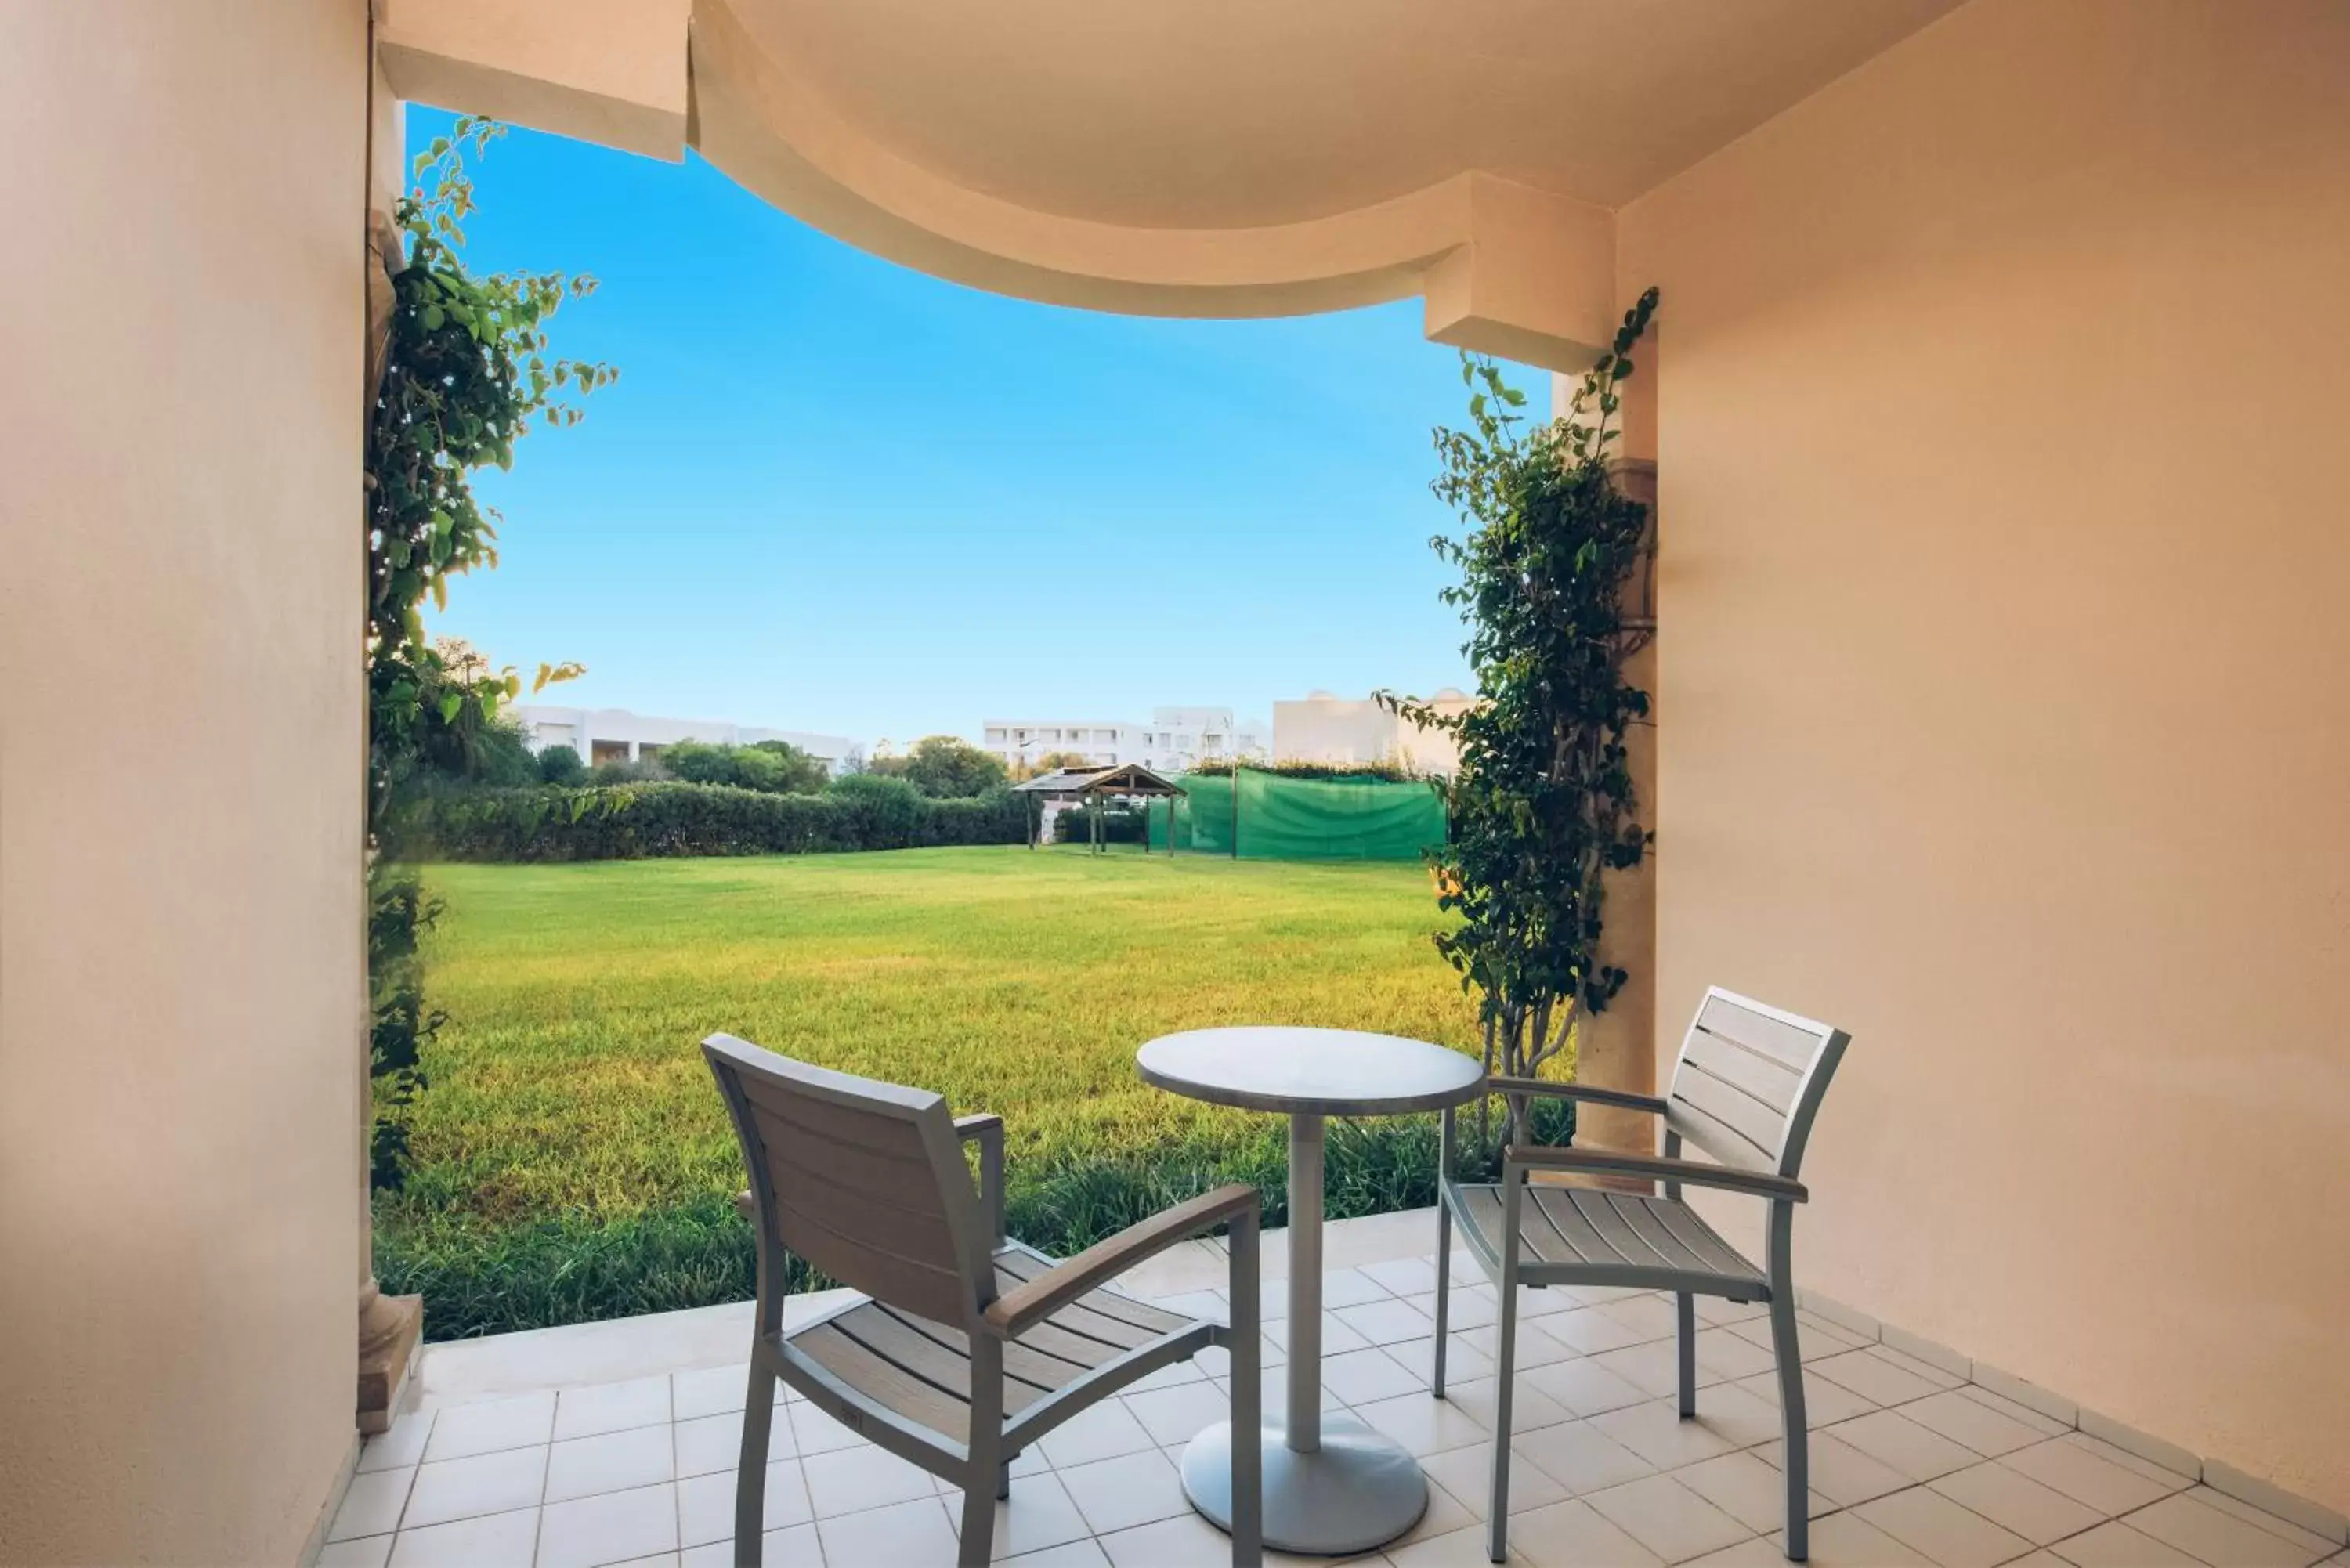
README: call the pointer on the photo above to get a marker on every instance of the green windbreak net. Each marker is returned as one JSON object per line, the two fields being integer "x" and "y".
{"x": 1282, "y": 818}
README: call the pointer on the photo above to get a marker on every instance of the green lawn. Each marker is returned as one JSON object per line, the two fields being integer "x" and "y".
{"x": 567, "y": 1094}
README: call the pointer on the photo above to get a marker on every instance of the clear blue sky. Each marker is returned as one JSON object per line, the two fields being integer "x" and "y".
{"x": 828, "y": 493}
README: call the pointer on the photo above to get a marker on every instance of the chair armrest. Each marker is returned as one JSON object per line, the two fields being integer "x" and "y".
{"x": 1064, "y": 1282}
{"x": 1555, "y": 1091}
{"x": 1693, "y": 1173}
{"x": 989, "y": 1130}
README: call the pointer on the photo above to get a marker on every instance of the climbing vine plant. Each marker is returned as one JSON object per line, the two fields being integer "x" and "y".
{"x": 1542, "y": 806}
{"x": 465, "y": 373}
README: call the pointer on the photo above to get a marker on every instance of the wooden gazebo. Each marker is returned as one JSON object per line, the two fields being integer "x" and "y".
{"x": 1090, "y": 788}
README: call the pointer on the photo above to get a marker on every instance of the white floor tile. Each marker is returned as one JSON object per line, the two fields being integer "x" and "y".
{"x": 612, "y": 1407}
{"x": 1581, "y": 1457}
{"x": 1359, "y": 1376}
{"x": 903, "y": 1535}
{"x": 1981, "y": 1427}
{"x": 612, "y": 1461}
{"x": 617, "y": 1527}
{"x": 1872, "y": 1378}
{"x": 1184, "y": 1540}
{"x": 371, "y": 1504}
{"x": 1387, "y": 1321}
{"x": 2200, "y": 1530}
{"x": 1422, "y": 1424}
{"x": 368, "y": 1551}
{"x": 705, "y": 1503}
{"x": 850, "y": 1481}
{"x": 2017, "y": 1502}
{"x": 796, "y": 1547}
{"x": 1747, "y": 1489}
{"x": 2117, "y": 1545}
{"x": 1103, "y": 1432}
{"x": 1583, "y": 1387}
{"x": 814, "y": 1432}
{"x": 1038, "y": 1516}
{"x": 1177, "y": 1414}
{"x": 462, "y": 1430}
{"x": 1891, "y": 1438}
{"x": 400, "y": 1446}
{"x": 1120, "y": 1493}
{"x": 1468, "y": 1474}
{"x": 715, "y": 1442}
{"x": 1084, "y": 1553}
{"x": 497, "y": 1483}
{"x": 1657, "y": 1432}
{"x": 2110, "y": 1488}
{"x": 492, "y": 1541}
{"x": 1952, "y": 1536}
{"x": 1668, "y": 1518}
{"x": 1574, "y": 1534}
{"x": 710, "y": 1391}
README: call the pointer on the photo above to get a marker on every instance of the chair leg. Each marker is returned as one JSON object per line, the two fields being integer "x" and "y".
{"x": 1686, "y": 1307}
{"x": 1248, "y": 1396}
{"x": 1003, "y": 1480}
{"x": 1505, "y": 1377}
{"x": 986, "y": 1470}
{"x": 751, "y": 1476}
{"x": 1788, "y": 1348}
{"x": 978, "y": 1528}
{"x": 1443, "y": 1289}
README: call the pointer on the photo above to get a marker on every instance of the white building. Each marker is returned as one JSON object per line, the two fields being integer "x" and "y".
{"x": 1175, "y": 738}
{"x": 1327, "y": 728}
{"x": 615, "y": 735}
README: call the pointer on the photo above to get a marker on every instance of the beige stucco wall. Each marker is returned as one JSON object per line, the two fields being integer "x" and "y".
{"x": 2005, "y": 574}
{"x": 180, "y": 948}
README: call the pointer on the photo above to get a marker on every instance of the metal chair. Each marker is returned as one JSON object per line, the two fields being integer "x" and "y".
{"x": 1744, "y": 1091}
{"x": 964, "y": 1347}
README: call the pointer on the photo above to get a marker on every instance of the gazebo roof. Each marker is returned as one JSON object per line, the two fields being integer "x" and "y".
{"x": 1131, "y": 778}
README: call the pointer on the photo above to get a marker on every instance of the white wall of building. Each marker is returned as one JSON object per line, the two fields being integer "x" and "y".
{"x": 1327, "y": 728}
{"x": 620, "y": 734}
{"x": 1175, "y": 738}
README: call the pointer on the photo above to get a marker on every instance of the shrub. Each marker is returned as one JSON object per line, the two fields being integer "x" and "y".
{"x": 879, "y": 810}
{"x": 776, "y": 767}
{"x": 1120, "y": 824}
{"x": 942, "y": 766}
{"x": 561, "y": 766}
{"x": 620, "y": 771}
{"x": 627, "y": 821}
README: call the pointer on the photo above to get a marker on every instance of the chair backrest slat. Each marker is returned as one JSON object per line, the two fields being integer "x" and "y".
{"x": 1749, "y": 1082}
{"x": 865, "y": 1180}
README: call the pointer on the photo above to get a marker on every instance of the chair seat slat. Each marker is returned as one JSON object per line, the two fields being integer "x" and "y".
{"x": 1023, "y": 1359}
{"x": 884, "y": 1383}
{"x": 1638, "y": 1215}
{"x": 1589, "y": 1245}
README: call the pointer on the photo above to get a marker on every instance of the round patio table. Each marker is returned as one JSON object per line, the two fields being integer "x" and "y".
{"x": 1332, "y": 1485}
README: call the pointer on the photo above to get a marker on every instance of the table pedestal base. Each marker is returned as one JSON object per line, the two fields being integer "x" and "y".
{"x": 1356, "y": 1491}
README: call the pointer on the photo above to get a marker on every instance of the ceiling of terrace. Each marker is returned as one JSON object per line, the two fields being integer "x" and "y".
{"x": 1241, "y": 113}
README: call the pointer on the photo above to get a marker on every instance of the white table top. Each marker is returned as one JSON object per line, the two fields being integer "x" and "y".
{"x": 1325, "y": 1072}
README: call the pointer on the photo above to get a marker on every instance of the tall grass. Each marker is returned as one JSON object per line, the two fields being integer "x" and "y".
{"x": 573, "y": 1160}
{"x": 698, "y": 1252}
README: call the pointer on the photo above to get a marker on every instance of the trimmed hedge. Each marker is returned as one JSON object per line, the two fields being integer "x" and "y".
{"x": 642, "y": 821}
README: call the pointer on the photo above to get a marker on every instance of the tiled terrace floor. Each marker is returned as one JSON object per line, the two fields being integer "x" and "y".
{"x": 618, "y": 1462}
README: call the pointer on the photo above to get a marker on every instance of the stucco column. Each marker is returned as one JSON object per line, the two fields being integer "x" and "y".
{"x": 1618, "y": 1049}
{"x": 389, "y": 1327}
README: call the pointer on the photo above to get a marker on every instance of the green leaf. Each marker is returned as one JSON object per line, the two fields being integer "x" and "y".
{"x": 449, "y": 705}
